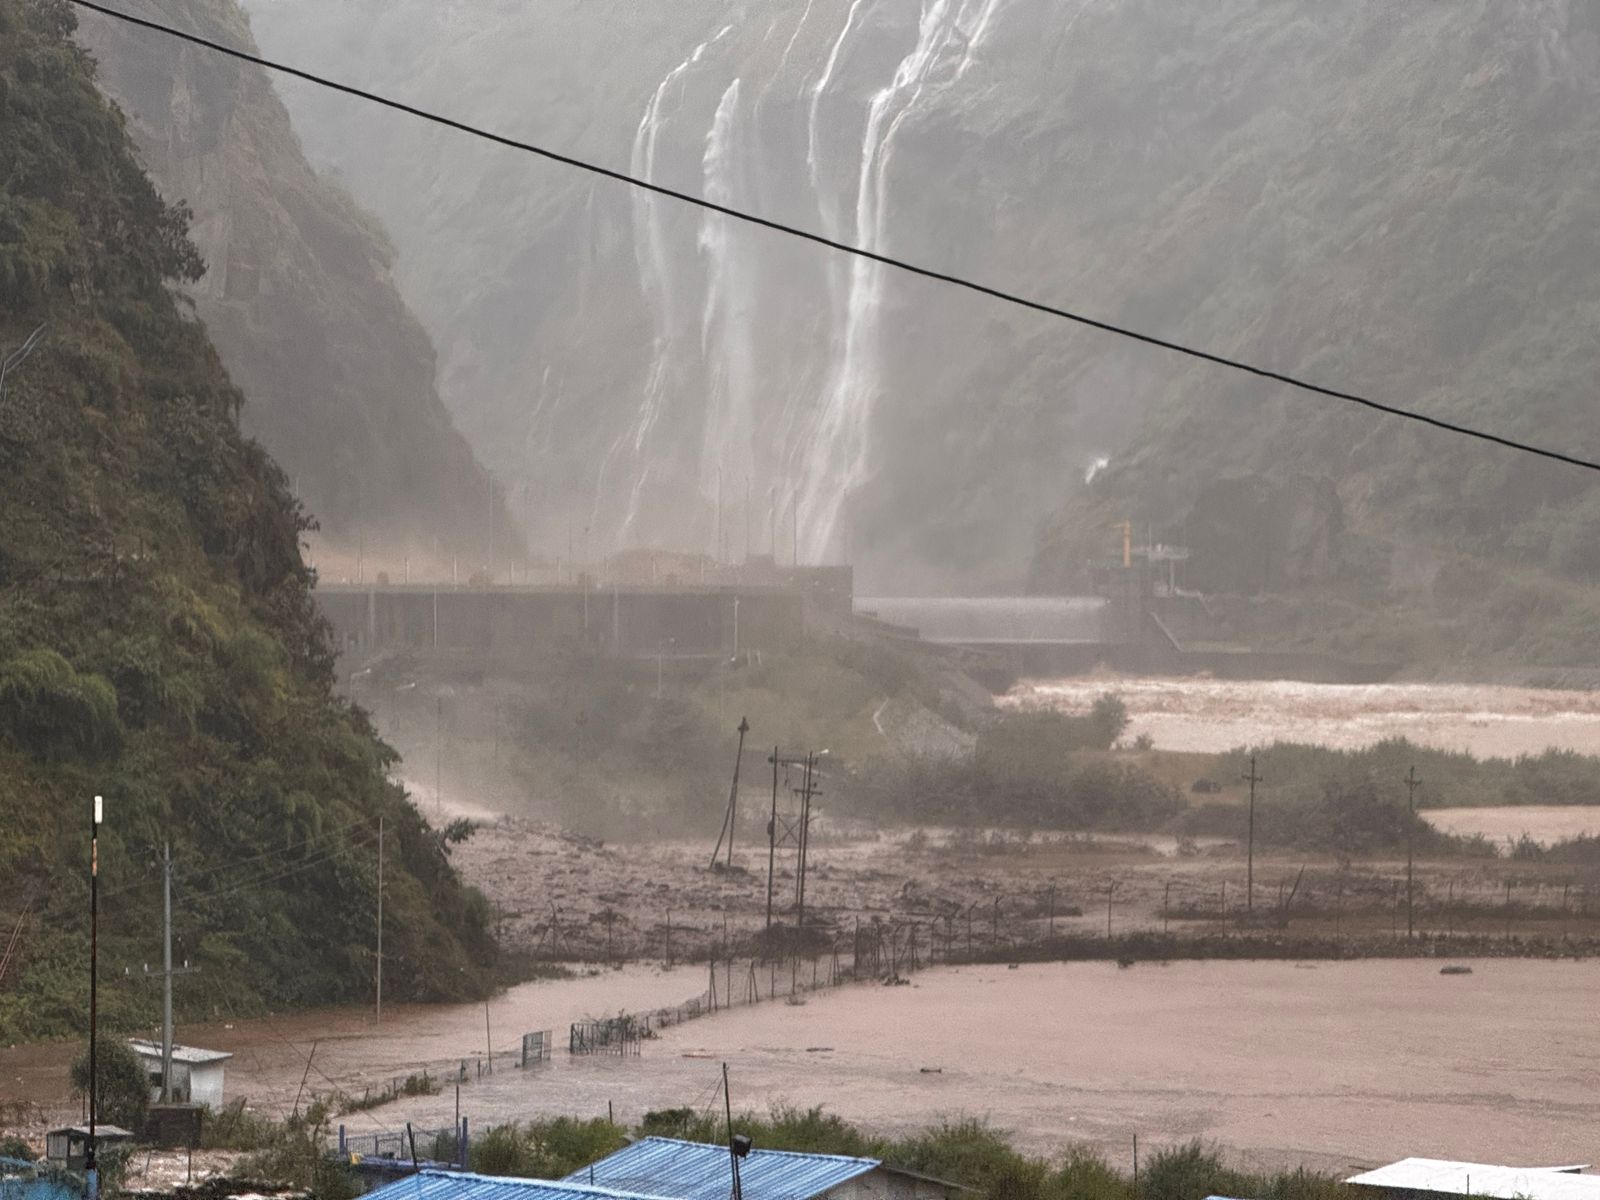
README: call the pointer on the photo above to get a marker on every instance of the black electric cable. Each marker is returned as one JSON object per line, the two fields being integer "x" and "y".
{"x": 898, "y": 264}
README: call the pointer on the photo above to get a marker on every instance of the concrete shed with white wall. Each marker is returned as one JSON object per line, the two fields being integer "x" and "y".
{"x": 197, "y": 1075}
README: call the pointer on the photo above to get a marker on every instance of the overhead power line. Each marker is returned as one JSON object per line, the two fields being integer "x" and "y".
{"x": 898, "y": 264}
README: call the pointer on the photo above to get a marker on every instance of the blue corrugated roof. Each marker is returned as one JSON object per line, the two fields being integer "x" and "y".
{"x": 32, "y": 1181}
{"x": 463, "y": 1185}
{"x": 696, "y": 1171}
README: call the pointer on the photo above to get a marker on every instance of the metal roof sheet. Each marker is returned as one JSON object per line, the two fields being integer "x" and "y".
{"x": 698, "y": 1171}
{"x": 1481, "y": 1179}
{"x": 463, "y": 1185}
{"x": 192, "y": 1055}
{"x": 101, "y": 1130}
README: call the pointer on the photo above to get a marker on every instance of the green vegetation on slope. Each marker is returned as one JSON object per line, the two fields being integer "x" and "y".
{"x": 158, "y": 641}
{"x": 625, "y": 759}
{"x": 1354, "y": 802}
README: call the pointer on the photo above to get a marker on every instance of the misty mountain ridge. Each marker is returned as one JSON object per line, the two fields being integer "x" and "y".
{"x": 1391, "y": 199}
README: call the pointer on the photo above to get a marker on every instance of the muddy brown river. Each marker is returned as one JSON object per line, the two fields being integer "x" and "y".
{"x": 1213, "y": 715}
{"x": 1330, "y": 1065}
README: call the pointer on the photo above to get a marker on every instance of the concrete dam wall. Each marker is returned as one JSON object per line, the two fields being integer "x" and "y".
{"x": 507, "y": 624}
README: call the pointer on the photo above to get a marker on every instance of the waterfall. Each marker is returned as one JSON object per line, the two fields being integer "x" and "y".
{"x": 836, "y": 458}
{"x": 707, "y": 408}
{"x": 659, "y": 280}
{"x": 730, "y": 302}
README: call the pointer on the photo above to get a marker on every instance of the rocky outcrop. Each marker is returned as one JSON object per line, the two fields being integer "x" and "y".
{"x": 298, "y": 293}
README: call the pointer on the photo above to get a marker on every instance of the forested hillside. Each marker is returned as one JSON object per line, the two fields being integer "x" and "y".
{"x": 158, "y": 640}
{"x": 1398, "y": 203}
{"x": 338, "y": 374}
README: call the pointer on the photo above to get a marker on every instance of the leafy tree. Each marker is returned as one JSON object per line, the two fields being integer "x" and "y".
{"x": 123, "y": 1086}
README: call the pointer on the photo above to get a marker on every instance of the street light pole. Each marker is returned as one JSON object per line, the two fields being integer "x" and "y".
{"x": 91, "y": 1174}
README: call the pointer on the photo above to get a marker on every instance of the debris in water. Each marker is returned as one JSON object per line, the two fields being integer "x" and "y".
{"x": 1455, "y": 969}
{"x": 932, "y": 1070}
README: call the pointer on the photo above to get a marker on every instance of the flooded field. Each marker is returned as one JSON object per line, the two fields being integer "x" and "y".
{"x": 1211, "y": 715}
{"x": 1333, "y": 1065}
{"x": 1545, "y": 824}
{"x": 354, "y": 1052}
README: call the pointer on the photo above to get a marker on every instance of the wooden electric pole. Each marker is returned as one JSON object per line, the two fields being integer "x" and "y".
{"x": 1412, "y": 784}
{"x": 772, "y": 837}
{"x": 1250, "y": 845}
{"x": 378, "y": 1006}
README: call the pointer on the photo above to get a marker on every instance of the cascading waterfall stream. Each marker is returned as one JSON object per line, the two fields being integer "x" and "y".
{"x": 709, "y": 413}
{"x": 725, "y": 327}
{"x": 658, "y": 278}
{"x": 836, "y": 457}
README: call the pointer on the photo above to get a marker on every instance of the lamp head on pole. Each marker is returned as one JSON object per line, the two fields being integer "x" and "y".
{"x": 99, "y": 809}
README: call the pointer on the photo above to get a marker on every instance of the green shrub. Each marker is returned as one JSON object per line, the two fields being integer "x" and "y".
{"x": 122, "y": 1086}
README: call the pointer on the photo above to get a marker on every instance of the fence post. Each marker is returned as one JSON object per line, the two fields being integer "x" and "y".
{"x": 342, "y": 1150}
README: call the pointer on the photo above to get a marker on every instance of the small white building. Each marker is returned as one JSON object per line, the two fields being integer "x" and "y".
{"x": 197, "y": 1075}
{"x": 1442, "y": 1179}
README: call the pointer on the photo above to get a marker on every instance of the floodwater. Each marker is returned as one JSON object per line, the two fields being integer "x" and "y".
{"x": 1545, "y": 824}
{"x": 1330, "y": 1065}
{"x": 353, "y": 1051}
{"x": 1213, "y": 715}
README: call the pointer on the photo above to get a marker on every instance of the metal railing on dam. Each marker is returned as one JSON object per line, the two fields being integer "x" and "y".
{"x": 511, "y": 623}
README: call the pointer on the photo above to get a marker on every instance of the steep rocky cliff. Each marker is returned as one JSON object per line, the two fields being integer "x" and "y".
{"x": 298, "y": 294}
{"x": 158, "y": 640}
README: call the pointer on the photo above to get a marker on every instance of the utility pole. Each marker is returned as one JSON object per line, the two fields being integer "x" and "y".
{"x": 378, "y": 1008}
{"x": 807, "y": 791}
{"x": 772, "y": 837}
{"x": 1250, "y": 852}
{"x": 166, "y": 973}
{"x": 731, "y": 817}
{"x": 91, "y": 1173}
{"x": 733, "y": 1150}
{"x": 1412, "y": 784}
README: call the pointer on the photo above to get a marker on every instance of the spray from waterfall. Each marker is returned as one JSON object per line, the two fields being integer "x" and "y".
{"x": 836, "y": 457}
{"x": 730, "y": 300}
{"x": 660, "y": 283}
